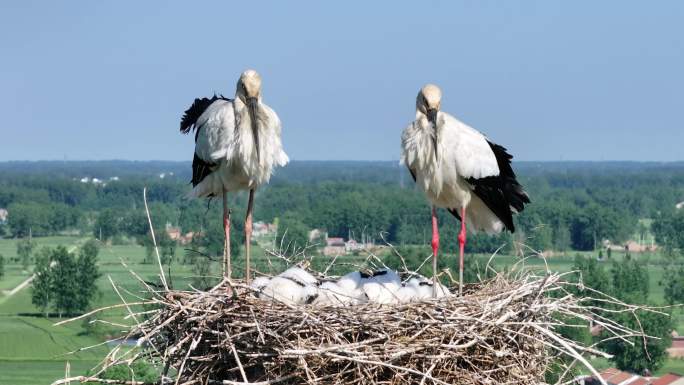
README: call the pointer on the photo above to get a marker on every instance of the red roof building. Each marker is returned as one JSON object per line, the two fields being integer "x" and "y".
{"x": 335, "y": 242}
{"x": 666, "y": 379}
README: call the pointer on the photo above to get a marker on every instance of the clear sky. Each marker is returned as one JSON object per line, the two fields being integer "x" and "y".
{"x": 550, "y": 80}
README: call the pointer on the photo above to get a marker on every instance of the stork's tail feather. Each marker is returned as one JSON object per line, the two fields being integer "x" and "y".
{"x": 502, "y": 195}
{"x": 210, "y": 186}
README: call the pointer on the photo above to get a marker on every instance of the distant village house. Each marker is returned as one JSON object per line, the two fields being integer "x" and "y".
{"x": 175, "y": 234}
{"x": 613, "y": 376}
{"x": 260, "y": 229}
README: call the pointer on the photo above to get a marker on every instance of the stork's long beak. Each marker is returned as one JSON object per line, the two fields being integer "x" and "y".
{"x": 252, "y": 105}
{"x": 432, "y": 118}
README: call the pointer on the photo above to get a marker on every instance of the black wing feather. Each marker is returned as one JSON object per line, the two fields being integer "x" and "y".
{"x": 193, "y": 113}
{"x": 502, "y": 193}
{"x": 200, "y": 167}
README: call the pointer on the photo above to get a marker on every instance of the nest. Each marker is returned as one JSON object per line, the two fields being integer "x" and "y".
{"x": 501, "y": 331}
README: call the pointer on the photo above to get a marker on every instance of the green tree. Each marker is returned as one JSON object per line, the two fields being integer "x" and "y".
{"x": 139, "y": 370}
{"x": 65, "y": 285}
{"x": 645, "y": 353}
{"x": 41, "y": 286}
{"x": 592, "y": 274}
{"x": 106, "y": 225}
{"x": 212, "y": 239}
{"x": 26, "y": 217}
{"x": 668, "y": 229}
{"x": 561, "y": 237}
{"x": 87, "y": 274}
{"x": 542, "y": 238}
{"x": 24, "y": 250}
{"x": 630, "y": 281}
{"x": 673, "y": 282}
{"x": 166, "y": 246}
{"x": 201, "y": 273}
{"x": 292, "y": 233}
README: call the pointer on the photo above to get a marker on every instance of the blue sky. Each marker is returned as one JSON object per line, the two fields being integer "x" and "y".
{"x": 550, "y": 80}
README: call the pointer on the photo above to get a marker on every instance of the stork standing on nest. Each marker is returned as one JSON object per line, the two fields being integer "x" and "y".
{"x": 237, "y": 146}
{"x": 461, "y": 170}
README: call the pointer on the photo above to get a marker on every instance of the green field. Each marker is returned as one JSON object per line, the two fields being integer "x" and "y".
{"x": 32, "y": 350}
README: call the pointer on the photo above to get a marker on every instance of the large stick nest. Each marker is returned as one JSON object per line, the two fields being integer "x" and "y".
{"x": 484, "y": 337}
{"x": 501, "y": 331}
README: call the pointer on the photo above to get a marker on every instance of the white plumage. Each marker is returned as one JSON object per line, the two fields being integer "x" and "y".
{"x": 424, "y": 289}
{"x": 300, "y": 275}
{"x": 463, "y": 153}
{"x": 288, "y": 291}
{"x": 225, "y": 139}
{"x": 459, "y": 169}
{"x": 237, "y": 146}
{"x": 259, "y": 283}
{"x": 332, "y": 294}
{"x": 350, "y": 281}
{"x": 406, "y": 294}
{"x": 296, "y": 286}
{"x": 381, "y": 286}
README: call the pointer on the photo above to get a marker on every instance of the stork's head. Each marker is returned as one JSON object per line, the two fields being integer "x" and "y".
{"x": 249, "y": 92}
{"x": 249, "y": 86}
{"x": 428, "y": 103}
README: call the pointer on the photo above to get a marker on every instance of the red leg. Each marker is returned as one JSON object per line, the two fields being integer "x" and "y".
{"x": 435, "y": 250}
{"x": 461, "y": 247}
{"x": 226, "y": 229}
{"x": 248, "y": 235}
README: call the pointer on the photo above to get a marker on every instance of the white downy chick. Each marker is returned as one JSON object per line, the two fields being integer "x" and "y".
{"x": 259, "y": 283}
{"x": 300, "y": 275}
{"x": 381, "y": 286}
{"x": 406, "y": 294}
{"x": 332, "y": 294}
{"x": 424, "y": 288}
{"x": 288, "y": 291}
{"x": 351, "y": 283}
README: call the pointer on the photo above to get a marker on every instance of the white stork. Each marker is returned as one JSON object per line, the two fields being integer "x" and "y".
{"x": 459, "y": 169}
{"x": 237, "y": 146}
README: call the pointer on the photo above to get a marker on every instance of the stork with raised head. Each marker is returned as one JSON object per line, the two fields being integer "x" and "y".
{"x": 237, "y": 147}
{"x": 461, "y": 170}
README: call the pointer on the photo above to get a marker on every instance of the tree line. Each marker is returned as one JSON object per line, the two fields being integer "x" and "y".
{"x": 574, "y": 207}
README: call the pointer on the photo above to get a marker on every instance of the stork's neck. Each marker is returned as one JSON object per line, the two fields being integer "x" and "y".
{"x": 239, "y": 103}
{"x": 424, "y": 124}
{"x": 242, "y": 111}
